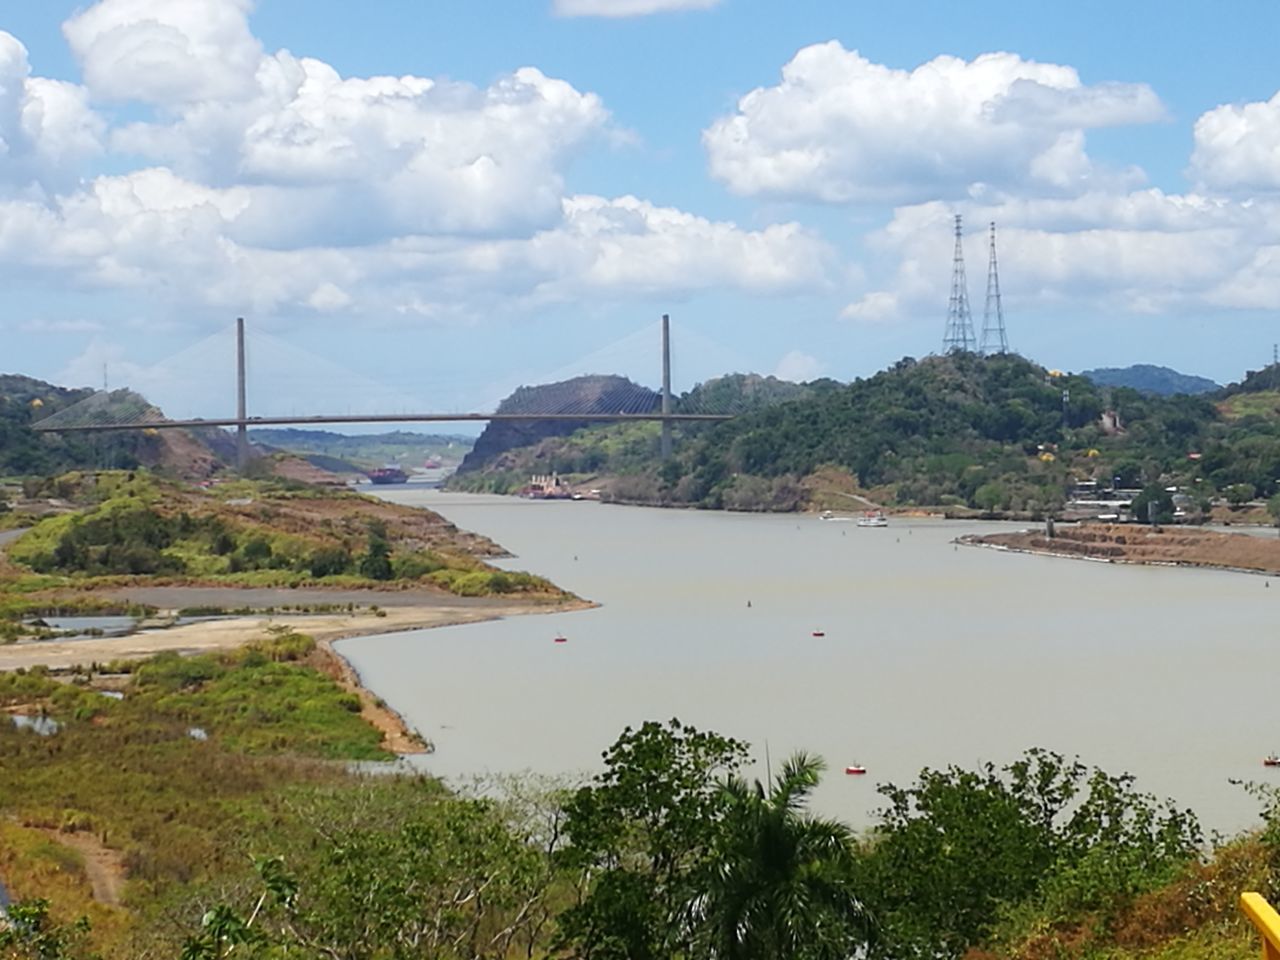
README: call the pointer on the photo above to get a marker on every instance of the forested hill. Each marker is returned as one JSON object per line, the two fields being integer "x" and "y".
{"x": 989, "y": 433}
{"x": 25, "y": 452}
{"x": 1148, "y": 378}
{"x": 590, "y": 394}
{"x": 22, "y": 450}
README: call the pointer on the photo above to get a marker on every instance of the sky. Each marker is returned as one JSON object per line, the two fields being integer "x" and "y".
{"x": 421, "y": 204}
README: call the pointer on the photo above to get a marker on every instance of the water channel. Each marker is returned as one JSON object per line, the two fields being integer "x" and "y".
{"x": 931, "y": 654}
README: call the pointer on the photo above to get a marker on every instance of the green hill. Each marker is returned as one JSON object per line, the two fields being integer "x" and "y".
{"x": 959, "y": 431}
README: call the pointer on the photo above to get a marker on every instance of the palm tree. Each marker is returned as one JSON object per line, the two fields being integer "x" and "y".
{"x": 781, "y": 887}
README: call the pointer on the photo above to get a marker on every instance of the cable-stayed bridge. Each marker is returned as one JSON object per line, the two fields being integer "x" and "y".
{"x": 183, "y": 376}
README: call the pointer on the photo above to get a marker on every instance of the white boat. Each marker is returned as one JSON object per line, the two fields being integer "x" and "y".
{"x": 873, "y": 518}
{"x": 828, "y": 515}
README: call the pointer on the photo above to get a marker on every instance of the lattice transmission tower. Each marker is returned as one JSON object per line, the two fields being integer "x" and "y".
{"x": 994, "y": 338}
{"x": 959, "y": 334}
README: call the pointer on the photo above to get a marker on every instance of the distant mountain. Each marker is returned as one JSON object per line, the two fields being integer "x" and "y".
{"x": 346, "y": 453}
{"x": 1148, "y": 378}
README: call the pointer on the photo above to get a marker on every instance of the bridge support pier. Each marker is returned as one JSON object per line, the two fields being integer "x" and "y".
{"x": 666, "y": 387}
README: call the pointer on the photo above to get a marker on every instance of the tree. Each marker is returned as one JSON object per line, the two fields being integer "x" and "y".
{"x": 376, "y": 563}
{"x": 959, "y": 848}
{"x": 29, "y": 934}
{"x": 1238, "y": 494}
{"x": 989, "y": 496}
{"x": 781, "y": 884}
{"x": 642, "y": 838}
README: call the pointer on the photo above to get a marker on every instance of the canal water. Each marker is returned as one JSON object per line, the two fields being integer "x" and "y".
{"x": 930, "y": 654}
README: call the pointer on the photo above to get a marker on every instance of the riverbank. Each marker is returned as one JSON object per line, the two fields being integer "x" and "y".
{"x": 325, "y": 629}
{"x": 1130, "y": 543}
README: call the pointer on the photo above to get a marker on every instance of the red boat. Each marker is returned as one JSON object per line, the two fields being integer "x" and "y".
{"x": 562, "y": 640}
{"x": 1271, "y": 760}
{"x": 819, "y": 633}
{"x": 855, "y": 769}
{"x": 388, "y": 474}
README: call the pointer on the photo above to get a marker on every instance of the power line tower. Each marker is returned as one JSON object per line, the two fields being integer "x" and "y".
{"x": 959, "y": 334}
{"x": 994, "y": 339}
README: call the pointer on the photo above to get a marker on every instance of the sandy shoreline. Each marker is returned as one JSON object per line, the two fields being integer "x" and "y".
{"x": 326, "y": 629}
{"x": 1146, "y": 546}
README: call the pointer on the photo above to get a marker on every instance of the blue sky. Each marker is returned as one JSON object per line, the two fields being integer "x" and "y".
{"x": 428, "y": 203}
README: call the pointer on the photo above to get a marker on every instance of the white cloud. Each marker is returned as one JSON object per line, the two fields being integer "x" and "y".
{"x": 46, "y": 127}
{"x": 1237, "y": 146}
{"x": 166, "y": 52}
{"x": 628, "y": 244}
{"x": 840, "y": 128}
{"x": 799, "y": 367}
{"x": 341, "y": 160}
{"x": 875, "y": 307}
{"x": 626, "y": 8}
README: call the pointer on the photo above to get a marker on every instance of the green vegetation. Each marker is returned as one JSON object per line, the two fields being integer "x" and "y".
{"x": 250, "y": 533}
{"x": 666, "y": 853}
{"x": 993, "y": 434}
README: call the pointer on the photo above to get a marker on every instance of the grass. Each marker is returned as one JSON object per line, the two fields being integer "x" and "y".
{"x": 133, "y": 528}
{"x": 178, "y": 808}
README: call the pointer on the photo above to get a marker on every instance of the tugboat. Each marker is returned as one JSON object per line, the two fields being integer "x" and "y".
{"x": 391, "y": 473}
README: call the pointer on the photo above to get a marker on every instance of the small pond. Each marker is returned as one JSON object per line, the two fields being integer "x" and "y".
{"x": 45, "y": 726}
{"x": 81, "y": 628}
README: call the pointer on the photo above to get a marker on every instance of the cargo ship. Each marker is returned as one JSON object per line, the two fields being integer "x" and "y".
{"x": 388, "y": 474}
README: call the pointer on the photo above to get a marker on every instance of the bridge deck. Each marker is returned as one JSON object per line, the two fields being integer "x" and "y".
{"x": 385, "y": 418}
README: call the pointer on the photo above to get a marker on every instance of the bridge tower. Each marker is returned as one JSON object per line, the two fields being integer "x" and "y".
{"x": 994, "y": 339}
{"x": 666, "y": 387}
{"x": 959, "y": 335}
{"x": 242, "y": 429}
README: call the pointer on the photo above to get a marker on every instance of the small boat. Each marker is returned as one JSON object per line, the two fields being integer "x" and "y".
{"x": 829, "y": 515}
{"x": 819, "y": 633}
{"x": 1271, "y": 760}
{"x": 855, "y": 769}
{"x": 561, "y": 639}
{"x": 873, "y": 518}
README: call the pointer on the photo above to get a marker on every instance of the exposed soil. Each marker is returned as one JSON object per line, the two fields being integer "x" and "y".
{"x": 1127, "y": 543}
{"x": 103, "y": 866}
{"x": 233, "y": 632}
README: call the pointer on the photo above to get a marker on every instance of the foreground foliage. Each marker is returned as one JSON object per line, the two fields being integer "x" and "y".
{"x": 666, "y": 853}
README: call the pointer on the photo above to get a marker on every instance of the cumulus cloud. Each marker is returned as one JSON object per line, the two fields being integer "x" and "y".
{"x": 840, "y": 128}
{"x": 626, "y": 244}
{"x": 1237, "y": 146}
{"x": 166, "y": 52}
{"x": 799, "y": 367}
{"x": 156, "y": 232}
{"x": 626, "y": 8}
{"x": 335, "y": 160}
{"x": 47, "y": 129}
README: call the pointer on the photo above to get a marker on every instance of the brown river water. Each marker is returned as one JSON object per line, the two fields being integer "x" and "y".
{"x": 931, "y": 654}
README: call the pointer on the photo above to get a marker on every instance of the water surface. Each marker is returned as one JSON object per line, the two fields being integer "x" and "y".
{"x": 931, "y": 654}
